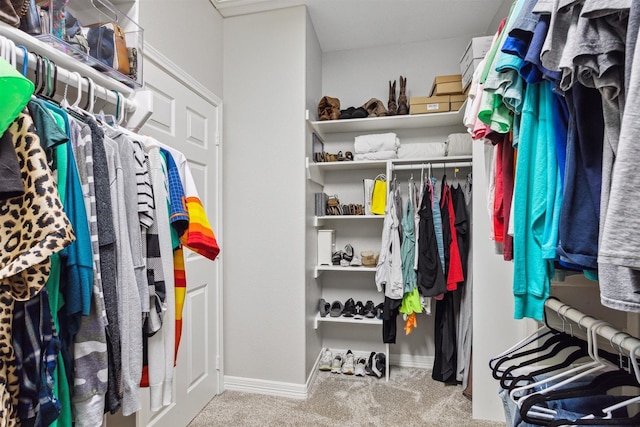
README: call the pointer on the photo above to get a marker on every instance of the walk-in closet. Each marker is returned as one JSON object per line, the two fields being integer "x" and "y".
{"x": 319, "y": 212}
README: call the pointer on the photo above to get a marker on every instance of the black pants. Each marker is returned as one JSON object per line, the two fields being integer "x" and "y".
{"x": 390, "y": 312}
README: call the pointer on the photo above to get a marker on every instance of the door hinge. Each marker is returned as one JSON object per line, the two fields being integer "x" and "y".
{"x": 217, "y": 138}
{"x": 217, "y": 363}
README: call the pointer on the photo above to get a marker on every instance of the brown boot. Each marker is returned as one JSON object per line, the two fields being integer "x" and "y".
{"x": 375, "y": 108}
{"x": 328, "y": 108}
{"x": 392, "y": 106}
{"x": 403, "y": 106}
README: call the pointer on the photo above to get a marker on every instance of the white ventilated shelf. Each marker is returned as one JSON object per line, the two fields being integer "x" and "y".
{"x": 342, "y": 319}
{"x": 319, "y": 220}
{"x": 392, "y": 123}
{"x": 322, "y": 268}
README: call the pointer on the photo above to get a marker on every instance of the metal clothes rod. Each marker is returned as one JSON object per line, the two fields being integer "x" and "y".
{"x": 66, "y": 77}
{"x": 616, "y": 337}
{"x": 427, "y": 165}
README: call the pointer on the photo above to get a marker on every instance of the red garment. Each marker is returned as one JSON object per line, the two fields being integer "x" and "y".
{"x": 498, "y": 201}
{"x": 455, "y": 274}
{"x": 508, "y": 184}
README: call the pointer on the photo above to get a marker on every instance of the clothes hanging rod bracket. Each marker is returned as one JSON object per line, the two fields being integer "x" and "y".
{"x": 584, "y": 321}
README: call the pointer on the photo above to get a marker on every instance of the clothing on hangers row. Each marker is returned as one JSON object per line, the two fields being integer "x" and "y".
{"x": 557, "y": 377}
{"x": 423, "y": 255}
{"x": 94, "y": 220}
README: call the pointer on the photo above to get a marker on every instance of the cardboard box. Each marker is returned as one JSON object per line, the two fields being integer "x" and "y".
{"x": 455, "y": 106}
{"x": 432, "y": 104}
{"x": 450, "y": 88}
{"x": 458, "y": 98}
{"x": 468, "y": 73}
{"x": 476, "y": 49}
{"x": 446, "y": 85}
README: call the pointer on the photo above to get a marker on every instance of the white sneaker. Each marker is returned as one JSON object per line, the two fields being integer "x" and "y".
{"x": 336, "y": 364}
{"x": 325, "y": 360}
{"x": 349, "y": 363}
{"x": 361, "y": 364}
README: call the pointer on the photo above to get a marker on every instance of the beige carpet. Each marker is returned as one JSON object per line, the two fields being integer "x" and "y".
{"x": 410, "y": 399}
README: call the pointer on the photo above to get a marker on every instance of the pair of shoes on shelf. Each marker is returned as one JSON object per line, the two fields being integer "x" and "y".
{"x": 353, "y": 113}
{"x": 328, "y": 108}
{"x": 376, "y": 365}
{"x": 343, "y": 364}
{"x": 343, "y": 257}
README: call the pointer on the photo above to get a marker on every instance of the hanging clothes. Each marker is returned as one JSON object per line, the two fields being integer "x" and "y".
{"x": 431, "y": 280}
{"x": 445, "y": 359}
{"x": 26, "y": 267}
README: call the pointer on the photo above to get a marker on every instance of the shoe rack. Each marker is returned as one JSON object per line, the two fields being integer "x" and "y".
{"x": 363, "y": 232}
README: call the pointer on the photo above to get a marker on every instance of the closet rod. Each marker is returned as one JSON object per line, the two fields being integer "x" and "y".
{"x": 426, "y": 165}
{"x": 585, "y": 321}
{"x": 65, "y": 77}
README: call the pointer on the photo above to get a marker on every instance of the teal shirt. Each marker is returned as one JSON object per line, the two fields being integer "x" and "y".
{"x": 535, "y": 211}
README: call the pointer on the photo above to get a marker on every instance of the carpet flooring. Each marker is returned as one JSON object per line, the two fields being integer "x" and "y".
{"x": 410, "y": 399}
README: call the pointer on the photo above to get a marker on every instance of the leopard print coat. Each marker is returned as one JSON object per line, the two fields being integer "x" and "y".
{"x": 32, "y": 228}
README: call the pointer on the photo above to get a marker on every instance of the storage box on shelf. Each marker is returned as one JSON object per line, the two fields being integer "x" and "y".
{"x": 95, "y": 46}
{"x": 473, "y": 54}
{"x": 446, "y": 85}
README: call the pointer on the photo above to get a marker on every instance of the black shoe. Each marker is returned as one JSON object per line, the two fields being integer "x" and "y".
{"x": 336, "y": 257}
{"x": 379, "y": 310}
{"x": 346, "y": 114}
{"x": 369, "y": 310}
{"x": 359, "y": 310}
{"x": 359, "y": 113}
{"x": 349, "y": 308}
{"x": 323, "y": 307}
{"x": 336, "y": 309}
{"x": 379, "y": 365}
{"x": 370, "y": 362}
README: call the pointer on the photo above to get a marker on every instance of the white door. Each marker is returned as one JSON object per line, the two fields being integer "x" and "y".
{"x": 187, "y": 117}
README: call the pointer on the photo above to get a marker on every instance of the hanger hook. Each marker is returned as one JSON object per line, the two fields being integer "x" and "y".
{"x": 55, "y": 80}
{"x": 11, "y": 53}
{"x": 79, "y": 95}
{"x": 25, "y": 59}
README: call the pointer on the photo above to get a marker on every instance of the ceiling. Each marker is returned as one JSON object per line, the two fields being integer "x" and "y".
{"x": 358, "y": 24}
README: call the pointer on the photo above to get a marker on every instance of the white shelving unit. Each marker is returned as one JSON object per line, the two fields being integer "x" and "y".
{"x": 332, "y": 131}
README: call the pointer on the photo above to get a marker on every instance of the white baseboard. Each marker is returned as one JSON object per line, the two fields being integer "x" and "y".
{"x": 271, "y": 388}
{"x": 301, "y": 391}
{"x": 411, "y": 361}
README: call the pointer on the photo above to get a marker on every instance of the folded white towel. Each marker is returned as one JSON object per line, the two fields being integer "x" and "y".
{"x": 459, "y": 144}
{"x": 378, "y": 155}
{"x": 376, "y": 142}
{"x": 422, "y": 150}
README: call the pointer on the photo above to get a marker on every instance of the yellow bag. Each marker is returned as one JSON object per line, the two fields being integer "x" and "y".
{"x": 379, "y": 196}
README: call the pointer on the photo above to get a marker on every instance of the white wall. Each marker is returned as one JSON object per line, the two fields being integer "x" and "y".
{"x": 312, "y": 95}
{"x": 494, "y": 328}
{"x": 355, "y": 76}
{"x": 189, "y": 32}
{"x": 264, "y": 188}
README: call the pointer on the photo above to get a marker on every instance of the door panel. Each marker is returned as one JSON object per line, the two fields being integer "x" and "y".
{"x": 185, "y": 120}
